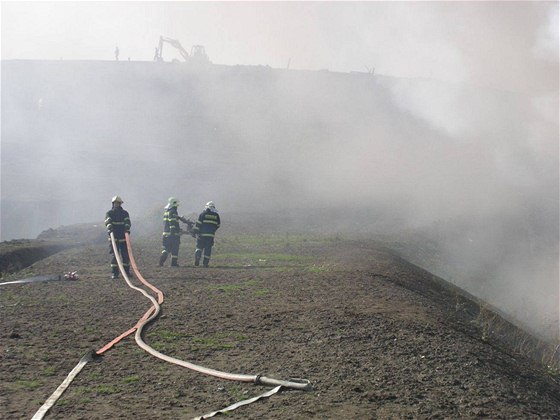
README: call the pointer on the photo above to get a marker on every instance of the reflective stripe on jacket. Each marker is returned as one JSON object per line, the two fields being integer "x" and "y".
{"x": 117, "y": 221}
{"x": 171, "y": 222}
{"x": 207, "y": 224}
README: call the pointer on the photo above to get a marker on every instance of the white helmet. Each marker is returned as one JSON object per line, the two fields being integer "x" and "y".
{"x": 173, "y": 202}
{"x": 117, "y": 199}
{"x": 210, "y": 205}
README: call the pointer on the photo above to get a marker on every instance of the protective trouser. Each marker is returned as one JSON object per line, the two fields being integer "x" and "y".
{"x": 171, "y": 246}
{"x": 123, "y": 250}
{"x": 203, "y": 245}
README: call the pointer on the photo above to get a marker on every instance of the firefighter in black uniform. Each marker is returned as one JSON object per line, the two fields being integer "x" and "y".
{"x": 205, "y": 228}
{"x": 117, "y": 221}
{"x": 171, "y": 232}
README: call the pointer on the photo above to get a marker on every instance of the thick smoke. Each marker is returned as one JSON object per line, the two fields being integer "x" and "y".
{"x": 464, "y": 158}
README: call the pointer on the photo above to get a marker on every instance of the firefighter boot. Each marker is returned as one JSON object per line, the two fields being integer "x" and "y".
{"x": 197, "y": 255}
{"x": 162, "y": 258}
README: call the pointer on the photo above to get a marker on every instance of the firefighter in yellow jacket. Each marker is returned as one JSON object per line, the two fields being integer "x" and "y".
{"x": 171, "y": 232}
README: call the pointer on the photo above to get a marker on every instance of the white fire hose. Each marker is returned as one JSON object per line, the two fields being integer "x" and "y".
{"x": 300, "y": 384}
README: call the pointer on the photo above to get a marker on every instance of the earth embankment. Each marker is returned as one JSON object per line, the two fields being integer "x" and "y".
{"x": 21, "y": 253}
{"x": 370, "y": 331}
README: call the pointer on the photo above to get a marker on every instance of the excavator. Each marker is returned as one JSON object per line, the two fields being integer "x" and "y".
{"x": 197, "y": 54}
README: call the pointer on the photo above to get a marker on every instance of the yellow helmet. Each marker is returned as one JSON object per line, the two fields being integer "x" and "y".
{"x": 173, "y": 202}
{"x": 117, "y": 199}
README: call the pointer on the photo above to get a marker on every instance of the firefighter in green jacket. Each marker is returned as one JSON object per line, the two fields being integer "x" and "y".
{"x": 171, "y": 232}
{"x": 205, "y": 229}
{"x": 117, "y": 222}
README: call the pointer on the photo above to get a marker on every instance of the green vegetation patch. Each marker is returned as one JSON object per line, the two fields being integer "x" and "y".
{"x": 165, "y": 340}
{"x": 95, "y": 376}
{"x": 322, "y": 268}
{"x": 10, "y": 300}
{"x": 105, "y": 389}
{"x": 166, "y": 335}
{"x": 49, "y": 371}
{"x": 218, "y": 341}
{"x": 131, "y": 379}
{"x": 263, "y": 261}
{"x": 274, "y": 241}
{"x": 60, "y": 298}
{"x": 253, "y": 285}
{"x": 27, "y": 384}
{"x": 237, "y": 392}
{"x": 102, "y": 389}
{"x": 276, "y": 252}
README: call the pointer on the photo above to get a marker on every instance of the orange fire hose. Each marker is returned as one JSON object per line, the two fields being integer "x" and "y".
{"x": 89, "y": 355}
{"x": 144, "y": 281}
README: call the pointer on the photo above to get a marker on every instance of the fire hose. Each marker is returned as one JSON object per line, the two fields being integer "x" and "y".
{"x": 149, "y": 316}
{"x": 257, "y": 379}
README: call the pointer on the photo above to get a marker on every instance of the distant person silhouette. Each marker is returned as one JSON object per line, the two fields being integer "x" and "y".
{"x": 117, "y": 53}
{"x": 156, "y": 54}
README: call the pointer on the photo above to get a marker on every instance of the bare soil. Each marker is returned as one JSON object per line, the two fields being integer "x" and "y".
{"x": 372, "y": 333}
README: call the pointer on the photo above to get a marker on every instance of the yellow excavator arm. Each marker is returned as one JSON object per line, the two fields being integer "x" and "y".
{"x": 197, "y": 55}
{"x": 173, "y": 43}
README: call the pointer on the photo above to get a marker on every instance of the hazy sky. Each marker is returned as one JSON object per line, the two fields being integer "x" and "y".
{"x": 508, "y": 45}
{"x": 426, "y": 150}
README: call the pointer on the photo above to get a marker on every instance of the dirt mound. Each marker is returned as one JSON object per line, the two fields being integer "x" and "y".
{"x": 78, "y": 234}
{"x": 20, "y": 253}
{"x": 332, "y": 311}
